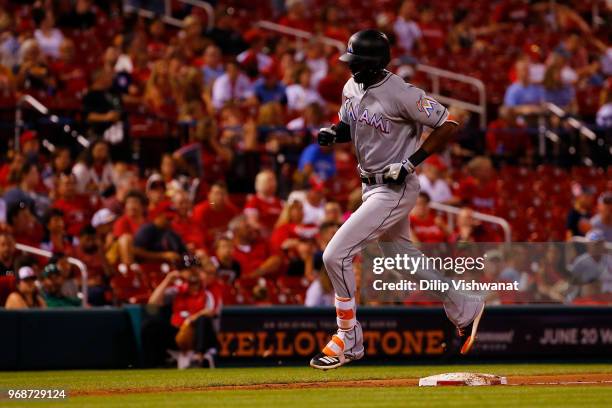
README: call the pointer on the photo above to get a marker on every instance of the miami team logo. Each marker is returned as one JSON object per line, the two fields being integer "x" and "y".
{"x": 376, "y": 120}
{"x": 426, "y": 105}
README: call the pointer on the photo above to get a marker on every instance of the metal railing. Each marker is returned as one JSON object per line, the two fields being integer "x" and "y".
{"x": 545, "y": 132}
{"x": 167, "y": 18}
{"x": 73, "y": 261}
{"x": 43, "y": 110}
{"x": 300, "y": 34}
{"x": 452, "y": 210}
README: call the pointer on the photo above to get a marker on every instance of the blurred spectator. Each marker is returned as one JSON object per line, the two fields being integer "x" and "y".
{"x": 27, "y": 295}
{"x": 126, "y": 226}
{"x": 30, "y": 147}
{"x": 326, "y": 232}
{"x": 9, "y": 42}
{"x": 212, "y": 66}
{"x": 156, "y": 195}
{"x": 228, "y": 268}
{"x": 432, "y": 181}
{"x": 550, "y": 277}
{"x": 296, "y": 16}
{"x": 7, "y": 79}
{"x": 77, "y": 208}
{"x": 52, "y": 282}
{"x": 590, "y": 267}
{"x": 7, "y": 254}
{"x": 82, "y": 16}
{"x": 102, "y": 221}
{"x": 556, "y": 90}
{"x": 14, "y": 163}
{"x": 316, "y": 62}
{"x": 160, "y": 94}
{"x": 34, "y": 73}
{"x": 156, "y": 242}
{"x": 293, "y": 237}
{"x": 320, "y": 292}
{"x": 183, "y": 223}
{"x": 226, "y": 32}
{"x": 214, "y": 214}
{"x": 48, "y": 37}
{"x": 60, "y": 163}
{"x": 479, "y": 189}
{"x": 333, "y": 213}
{"x": 524, "y": 97}
{"x": 253, "y": 60}
{"x": 263, "y": 208}
{"x": 91, "y": 252}
{"x": 507, "y": 139}
{"x": 101, "y": 107}
{"x": 406, "y": 28}
{"x": 286, "y": 231}
{"x": 426, "y": 226}
{"x": 604, "y": 114}
{"x": 269, "y": 89}
{"x": 24, "y": 226}
{"x": 56, "y": 239}
{"x": 192, "y": 41}
{"x": 169, "y": 174}
{"x": 253, "y": 253}
{"x": 94, "y": 171}
{"x": 317, "y": 161}
{"x": 602, "y": 221}
{"x": 579, "y": 215}
{"x": 470, "y": 230}
{"x": 307, "y": 125}
{"x": 300, "y": 94}
{"x": 27, "y": 180}
{"x": 332, "y": 25}
{"x": 191, "y": 329}
{"x": 124, "y": 184}
{"x": 432, "y": 32}
{"x": 313, "y": 202}
{"x": 231, "y": 87}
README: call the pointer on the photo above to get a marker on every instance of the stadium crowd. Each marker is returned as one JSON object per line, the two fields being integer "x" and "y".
{"x": 199, "y": 145}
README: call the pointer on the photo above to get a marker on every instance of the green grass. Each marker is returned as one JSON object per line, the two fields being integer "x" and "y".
{"x": 117, "y": 380}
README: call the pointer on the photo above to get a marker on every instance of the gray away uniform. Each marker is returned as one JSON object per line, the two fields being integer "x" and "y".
{"x": 386, "y": 122}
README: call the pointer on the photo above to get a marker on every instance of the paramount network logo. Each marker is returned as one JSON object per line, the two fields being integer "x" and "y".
{"x": 377, "y": 121}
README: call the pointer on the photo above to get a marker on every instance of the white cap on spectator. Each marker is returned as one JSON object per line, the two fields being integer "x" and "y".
{"x": 26, "y": 272}
{"x": 101, "y": 217}
{"x": 155, "y": 180}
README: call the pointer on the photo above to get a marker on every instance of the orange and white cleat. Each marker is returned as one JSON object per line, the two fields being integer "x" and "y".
{"x": 471, "y": 330}
{"x": 336, "y": 354}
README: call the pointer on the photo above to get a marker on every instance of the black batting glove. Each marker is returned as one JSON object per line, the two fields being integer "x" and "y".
{"x": 327, "y": 136}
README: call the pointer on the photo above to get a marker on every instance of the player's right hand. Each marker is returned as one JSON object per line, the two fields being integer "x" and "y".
{"x": 327, "y": 136}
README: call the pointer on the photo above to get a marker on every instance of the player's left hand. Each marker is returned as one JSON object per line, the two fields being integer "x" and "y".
{"x": 327, "y": 136}
{"x": 396, "y": 173}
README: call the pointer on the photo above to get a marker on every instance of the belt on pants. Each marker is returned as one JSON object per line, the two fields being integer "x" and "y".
{"x": 372, "y": 179}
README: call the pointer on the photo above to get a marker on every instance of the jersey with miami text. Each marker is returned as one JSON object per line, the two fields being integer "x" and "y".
{"x": 387, "y": 119}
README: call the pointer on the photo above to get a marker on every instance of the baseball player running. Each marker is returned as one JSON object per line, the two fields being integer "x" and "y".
{"x": 384, "y": 117}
